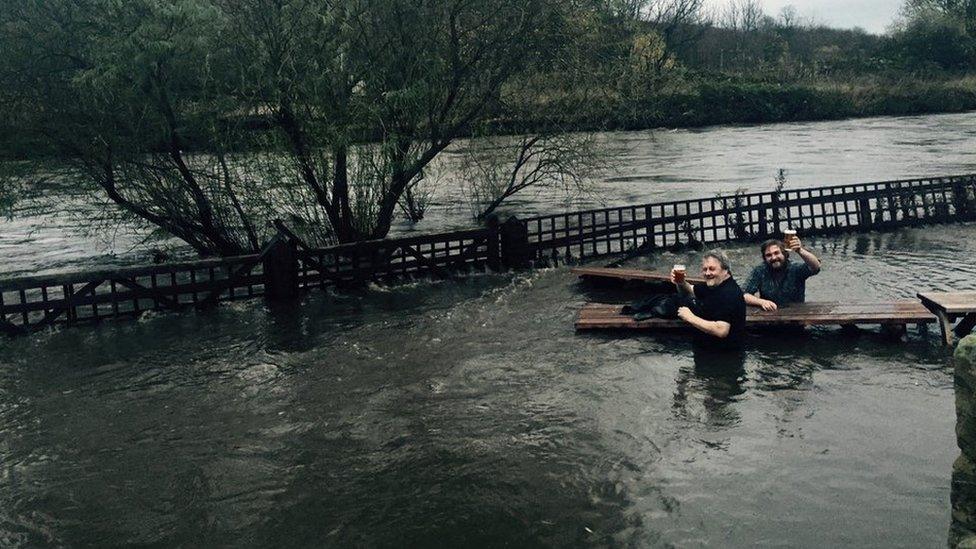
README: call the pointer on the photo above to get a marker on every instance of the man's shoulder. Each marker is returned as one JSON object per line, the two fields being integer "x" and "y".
{"x": 758, "y": 271}
{"x": 800, "y": 268}
{"x": 737, "y": 295}
{"x": 731, "y": 288}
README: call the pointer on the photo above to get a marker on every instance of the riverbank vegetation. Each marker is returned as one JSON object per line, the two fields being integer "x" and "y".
{"x": 672, "y": 63}
{"x": 207, "y": 119}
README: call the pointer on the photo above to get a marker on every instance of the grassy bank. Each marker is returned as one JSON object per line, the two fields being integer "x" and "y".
{"x": 707, "y": 102}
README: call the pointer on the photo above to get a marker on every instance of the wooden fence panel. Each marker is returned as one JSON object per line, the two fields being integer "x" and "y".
{"x": 746, "y": 216}
{"x": 30, "y": 303}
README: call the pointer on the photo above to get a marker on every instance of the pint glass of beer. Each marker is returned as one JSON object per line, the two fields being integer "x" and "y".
{"x": 789, "y": 237}
{"x": 679, "y": 273}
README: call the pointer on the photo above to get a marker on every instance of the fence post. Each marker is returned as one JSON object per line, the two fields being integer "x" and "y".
{"x": 649, "y": 228}
{"x": 280, "y": 264}
{"x": 775, "y": 207}
{"x": 864, "y": 217}
{"x": 960, "y": 196}
{"x": 494, "y": 254}
{"x": 763, "y": 229}
{"x": 515, "y": 252}
{"x": 70, "y": 312}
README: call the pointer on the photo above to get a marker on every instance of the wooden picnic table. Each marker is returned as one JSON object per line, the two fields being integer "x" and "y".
{"x": 948, "y": 307}
{"x": 604, "y": 316}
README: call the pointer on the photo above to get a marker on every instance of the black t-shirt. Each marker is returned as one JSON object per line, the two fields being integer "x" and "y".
{"x": 723, "y": 302}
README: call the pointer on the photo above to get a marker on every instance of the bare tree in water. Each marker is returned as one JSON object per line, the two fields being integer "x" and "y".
{"x": 494, "y": 169}
{"x": 209, "y": 118}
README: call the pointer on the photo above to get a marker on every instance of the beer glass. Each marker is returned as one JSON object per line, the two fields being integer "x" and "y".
{"x": 679, "y": 273}
{"x": 789, "y": 237}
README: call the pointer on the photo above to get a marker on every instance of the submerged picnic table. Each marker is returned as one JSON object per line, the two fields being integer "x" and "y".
{"x": 949, "y": 306}
{"x": 942, "y": 307}
{"x": 604, "y": 316}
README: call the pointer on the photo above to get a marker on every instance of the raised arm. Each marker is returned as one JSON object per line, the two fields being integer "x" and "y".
{"x": 811, "y": 260}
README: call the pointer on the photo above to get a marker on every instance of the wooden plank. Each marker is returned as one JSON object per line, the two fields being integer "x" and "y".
{"x": 626, "y": 274}
{"x": 950, "y": 302}
{"x": 608, "y": 316}
{"x": 424, "y": 260}
{"x": 399, "y": 242}
{"x": 121, "y": 296}
{"x": 807, "y": 311}
{"x": 31, "y": 282}
{"x": 139, "y": 290}
{"x": 66, "y": 305}
{"x": 814, "y": 307}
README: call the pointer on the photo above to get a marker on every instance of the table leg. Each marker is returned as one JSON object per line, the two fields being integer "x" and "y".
{"x": 966, "y": 325}
{"x": 945, "y": 326}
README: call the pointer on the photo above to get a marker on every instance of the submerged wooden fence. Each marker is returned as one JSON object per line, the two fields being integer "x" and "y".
{"x": 286, "y": 265}
{"x": 748, "y": 216}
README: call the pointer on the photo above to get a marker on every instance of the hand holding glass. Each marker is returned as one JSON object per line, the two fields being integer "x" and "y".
{"x": 789, "y": 238}
{"x": 678, "y": 273}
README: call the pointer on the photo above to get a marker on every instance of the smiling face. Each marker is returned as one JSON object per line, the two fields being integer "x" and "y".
{"x": 712, "y": 272}
{"x": 774, "y": 256}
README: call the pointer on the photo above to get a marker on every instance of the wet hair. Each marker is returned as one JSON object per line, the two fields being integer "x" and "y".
{"x": 721, "y": 257}
{"x": 773, "y": 242}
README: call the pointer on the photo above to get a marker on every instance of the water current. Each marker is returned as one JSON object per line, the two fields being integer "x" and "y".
{"x": 468, "y": 412}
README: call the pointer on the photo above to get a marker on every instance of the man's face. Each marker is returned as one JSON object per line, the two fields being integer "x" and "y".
{"x": 712, "y": 272}
{"x": 773, "y": 256}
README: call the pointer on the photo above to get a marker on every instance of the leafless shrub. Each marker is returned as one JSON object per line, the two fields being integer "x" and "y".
{"x": 493, "y": 169}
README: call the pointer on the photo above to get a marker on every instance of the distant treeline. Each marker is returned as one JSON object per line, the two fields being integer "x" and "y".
{"x": 673, "y": 63}
{"x": 630, "y": 64}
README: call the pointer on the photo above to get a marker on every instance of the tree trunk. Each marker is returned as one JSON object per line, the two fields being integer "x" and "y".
{"x": 345, "y": 230}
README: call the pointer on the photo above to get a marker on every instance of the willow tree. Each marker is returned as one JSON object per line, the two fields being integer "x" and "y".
{"x": 125, "y": 90}
{"x": 206, "y": 118}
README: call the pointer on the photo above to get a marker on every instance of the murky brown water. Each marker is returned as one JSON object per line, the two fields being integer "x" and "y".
{"x": 467, "y": 411}
{"x": 650, "y": 166}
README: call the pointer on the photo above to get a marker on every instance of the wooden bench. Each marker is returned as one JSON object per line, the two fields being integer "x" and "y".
{"x": 602, "y": 316}
{"x": 949, "y": 306}
{"x": 638, "y": 275}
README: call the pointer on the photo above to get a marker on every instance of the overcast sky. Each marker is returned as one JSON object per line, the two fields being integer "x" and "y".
{"x": 871, "y": 15}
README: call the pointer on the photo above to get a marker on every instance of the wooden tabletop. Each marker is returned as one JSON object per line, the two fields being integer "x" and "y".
{"x": 628, "y": 274}
{"x": 950, "y": 302}
{"x": 603, "y": 316}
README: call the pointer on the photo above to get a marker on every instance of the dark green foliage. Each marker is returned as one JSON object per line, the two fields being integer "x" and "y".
{"x": 209, "y": 118}
{"x": 930, "y": 40}
{"x": 153, "y": 99}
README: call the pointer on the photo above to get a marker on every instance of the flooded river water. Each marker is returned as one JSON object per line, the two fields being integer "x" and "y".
{"x": 467, "y": 411}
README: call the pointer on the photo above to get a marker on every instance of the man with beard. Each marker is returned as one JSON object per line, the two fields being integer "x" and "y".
{"x": 779, "y": 281}
{"x": 720, "y": 315}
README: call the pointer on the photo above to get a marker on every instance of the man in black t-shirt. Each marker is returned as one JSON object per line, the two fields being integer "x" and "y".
{"x": 721, "y": 316}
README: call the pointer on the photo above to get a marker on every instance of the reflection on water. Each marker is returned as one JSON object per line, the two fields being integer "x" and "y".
{"x": 467, "y": 411}
{"x": 717, "y": 378}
